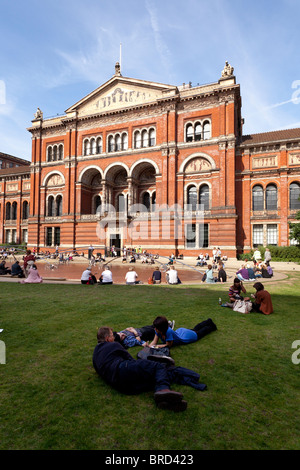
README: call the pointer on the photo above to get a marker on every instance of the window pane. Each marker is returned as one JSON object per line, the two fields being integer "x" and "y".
{"x": 206, "y": 130}
{"x": 190, "y": 235}
{"x": 203, "y": 235}
{"x": 258, "y": 235}
{"x": 189, "y": 133}
{"x": 198, "y": 131}
{"x": 271, "y": 198}
{"x": 272, "y": 234}
{"x": 294, "y": 196}
{"x": 204, "y": 197}
{"x": 192, "y": 198}
{"x": 257, "y": 198}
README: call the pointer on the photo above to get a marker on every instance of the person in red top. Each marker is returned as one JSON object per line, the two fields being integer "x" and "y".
{"x": 28, "y": 260}
{"x": 263, "y": 301}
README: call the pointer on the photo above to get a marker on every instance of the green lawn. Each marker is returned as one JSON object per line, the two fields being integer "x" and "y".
{"x": 51, "y": 397}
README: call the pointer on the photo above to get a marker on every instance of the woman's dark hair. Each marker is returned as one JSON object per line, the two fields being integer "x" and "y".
{"x": 117, "y": 337}
{"x": 236, "y": 280}
{"x": 258, "y": 286}
{"x": 161, "y": 324}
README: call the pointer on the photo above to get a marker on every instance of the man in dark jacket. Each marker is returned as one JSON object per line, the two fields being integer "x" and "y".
{"x": 16, "y": 270}
{"x": 118, "y": 368}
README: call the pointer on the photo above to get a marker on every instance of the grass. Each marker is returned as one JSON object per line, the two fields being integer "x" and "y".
{"x": 51, "y": 397}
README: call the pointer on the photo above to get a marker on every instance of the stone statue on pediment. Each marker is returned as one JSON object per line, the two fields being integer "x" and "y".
{"x": 117, "y": 69}
{"x": 227, "y": 71}
{"x": 38, "y": 114}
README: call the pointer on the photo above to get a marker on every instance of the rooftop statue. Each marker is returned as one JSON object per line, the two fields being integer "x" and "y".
{"x": 227, "y": 71}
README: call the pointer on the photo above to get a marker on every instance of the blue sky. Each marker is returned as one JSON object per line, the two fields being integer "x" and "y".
{"x": 53, "y": 53}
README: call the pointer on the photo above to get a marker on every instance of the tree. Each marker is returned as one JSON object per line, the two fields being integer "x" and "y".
{"x": 295, "y": 229}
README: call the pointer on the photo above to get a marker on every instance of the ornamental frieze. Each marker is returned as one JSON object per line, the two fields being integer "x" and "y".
{"x": 264, "y": 162}
{"x": 294, "y": 159}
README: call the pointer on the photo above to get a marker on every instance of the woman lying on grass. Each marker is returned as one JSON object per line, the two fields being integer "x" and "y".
{"x": 171, "y": 337}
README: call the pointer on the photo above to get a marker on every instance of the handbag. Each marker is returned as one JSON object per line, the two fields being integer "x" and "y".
{"x": 242, "y": 306}
{"x": 150, "y": 280}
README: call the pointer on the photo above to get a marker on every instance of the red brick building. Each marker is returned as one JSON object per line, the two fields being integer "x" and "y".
{"x": 167, "y": 168}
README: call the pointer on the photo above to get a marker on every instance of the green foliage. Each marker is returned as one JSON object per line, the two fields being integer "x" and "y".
{"x": 51, "y": 397}
{"x": 278, "y": 253}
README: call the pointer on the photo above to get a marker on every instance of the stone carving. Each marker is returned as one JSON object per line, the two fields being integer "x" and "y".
{"x": 264, "y": 162}
{"x": 227, "y": 71}
{"x": 198, "y": 164}
{"x": 294, "y": 159}
{"x": 38, "y": 114}
{"x": 55, "y": 180}
{"x": 117, "y": 69}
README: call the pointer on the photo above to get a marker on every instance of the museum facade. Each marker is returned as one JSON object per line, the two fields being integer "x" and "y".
{"x": 144, "y": 164}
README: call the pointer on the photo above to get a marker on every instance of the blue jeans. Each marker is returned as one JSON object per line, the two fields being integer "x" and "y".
{"x": 141, "y": 376}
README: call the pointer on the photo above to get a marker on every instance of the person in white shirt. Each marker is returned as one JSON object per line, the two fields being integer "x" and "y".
{"x": 88, "y": 277}
{"x": 131, "y": 277}
{"x": 106, "y": 276}
{"x": 172, "y": 277}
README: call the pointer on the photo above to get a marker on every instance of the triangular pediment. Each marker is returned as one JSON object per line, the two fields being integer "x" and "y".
{"x": 119, "y": 93}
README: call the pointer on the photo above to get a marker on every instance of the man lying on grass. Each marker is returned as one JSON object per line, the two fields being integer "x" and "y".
{"x": 118, "y": 368}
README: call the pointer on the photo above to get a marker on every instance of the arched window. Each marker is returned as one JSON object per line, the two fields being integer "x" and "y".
{"x": 152, "y": 138}
{"x": 60, "y": 152}
{"x": 192, "y": 198}
{"x": 93, "y": 146}
{"x": 49, "y": 156}
{"x": 153, "y": 201}
{"x": 198, "y": 131}
{"x": 294, "y": 196}
{"x": 189, "y": 136}
{"x": 8, "y": 211}
{"x": 86, "y": 147}
{"x": 121, "y": 203}
{"x": 118, "y": 143}
{"x": 271, "y": 197}
{"x": 257, "y": 198}
{"x": 55, "y": 153}
{"x": 97, "y": 204}
{"x": 206, "y": 130}
{"x": 124, "y": 141}
{"x": 50, "y": 208}
{"x": 146, "y": 201}
{"x": 58, "y": 206}
{"x": 144, "y": 138}
{"x": 137, "y": 140}
{"x": 25, "y": 211}
{"x": 14, "y": 208}
{"x": 111, "y": 146}
{"x": 99, "y": 145}
{"x": 204, "y": 197}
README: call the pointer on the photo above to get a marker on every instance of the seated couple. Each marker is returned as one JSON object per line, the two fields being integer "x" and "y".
{"x": 262, "y": 299}
{"x": 163, "y": 330}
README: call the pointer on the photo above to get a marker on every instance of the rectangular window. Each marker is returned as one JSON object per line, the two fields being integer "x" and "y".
{"x": 190, "y": 235}
{"x": 25, "y": 235}
{"x": 196, "y": 236}
{"x": 56, "y": 236}
{"x": 272, "y": 234}
{"x": 14, "y": 236}
{"x": 48, "y": 236}
{"x": 203, "y": 236}
{"x": 258, "y": 235}
{"x": 7, "y": 236}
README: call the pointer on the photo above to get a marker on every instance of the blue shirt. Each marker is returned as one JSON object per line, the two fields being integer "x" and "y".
{"x": 180, "y": 336}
